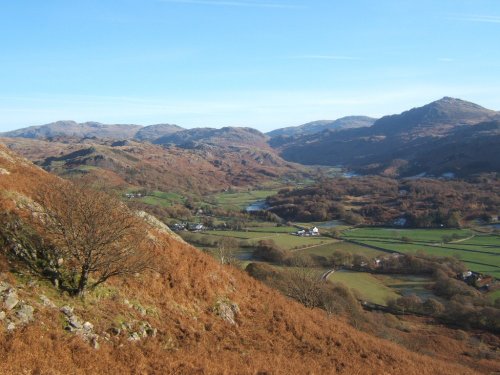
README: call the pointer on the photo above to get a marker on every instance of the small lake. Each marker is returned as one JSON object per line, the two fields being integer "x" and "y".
{"x": 245, "y": 254}
{"x": 407, "y": 285}
{"x": 256, "y": 206}
{"x": 349, "y": 174}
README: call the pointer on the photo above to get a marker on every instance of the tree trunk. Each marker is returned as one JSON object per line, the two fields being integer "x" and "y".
{"x": 82, "y": 283}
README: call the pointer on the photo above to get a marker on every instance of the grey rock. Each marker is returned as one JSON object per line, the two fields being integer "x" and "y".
{"x": 227, "y": 310}
{"x": 11, "y": 327}
{"x": 47, "y": 302}
{"x": 67, "y": 310}
{"x": 25, "y": 314}
{"x": 146, "y": 330}
{"x": 134, "y": 336}
{"x": 88, "y": 327}
{"x": 75, "y": 323}
{"x": 4, "y": 287}
{"x": 11, "y": 299}
{"x": 94, "y": 342}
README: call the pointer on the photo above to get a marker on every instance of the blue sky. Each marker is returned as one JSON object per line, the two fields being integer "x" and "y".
{"x": 258, "y": 63}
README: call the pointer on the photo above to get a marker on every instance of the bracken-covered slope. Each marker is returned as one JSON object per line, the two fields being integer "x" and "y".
{"x": 142, "y": 164}
{"x": 181, "y": 303}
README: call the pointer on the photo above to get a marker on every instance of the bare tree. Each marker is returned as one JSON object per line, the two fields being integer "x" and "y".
{"x": 226, "y": 250}
{"x": 304, "y": 286}
{"x": 95, "y": 235}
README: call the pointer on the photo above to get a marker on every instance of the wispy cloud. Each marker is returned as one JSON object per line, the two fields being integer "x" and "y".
{"x": 323, "y": 57}
{"x": 236, "y": 3}
{"x": 477, "y": 18}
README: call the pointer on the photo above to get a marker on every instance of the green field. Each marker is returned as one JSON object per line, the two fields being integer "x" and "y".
{"x": 366, "y": 286}
{"x": 481, "y": 252}
{"x": 240, "y": 200}
{"x": 494, "y": 295}
{"x": 280, "y": 237}
{"x": 161, "y": 199}
{"x": 382, "y": 288}
{"x": 322, "y": 246}
{"x": 273, "y": 229}
{"x": 327, "y": 249}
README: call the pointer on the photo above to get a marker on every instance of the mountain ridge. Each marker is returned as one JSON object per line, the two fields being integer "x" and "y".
{"x": 347, "y": 122}
{"x": 400, "y": 137}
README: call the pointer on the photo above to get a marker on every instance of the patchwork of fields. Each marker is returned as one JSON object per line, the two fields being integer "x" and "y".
{"x": 481, "y": 252}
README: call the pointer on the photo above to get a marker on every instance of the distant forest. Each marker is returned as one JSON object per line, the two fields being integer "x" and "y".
{"x": 373, "y": 200}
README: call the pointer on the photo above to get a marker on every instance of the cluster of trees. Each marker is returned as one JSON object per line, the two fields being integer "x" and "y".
{"x": 419, "y": 263}
{"x": 458, "y": 303}
{"x": 304, "y": 285}
{"x": 269, "y": 251}
{"x": 380, "y": 200}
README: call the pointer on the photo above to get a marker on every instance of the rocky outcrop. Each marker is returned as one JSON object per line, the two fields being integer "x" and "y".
{"x": 83, "y": 329}
{"x": 14, "y": 311}
{"x": 227, "y": 310}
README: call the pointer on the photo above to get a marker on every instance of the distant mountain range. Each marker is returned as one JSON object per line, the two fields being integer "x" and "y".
{"x": 153, "y": 132}
{"x": 74, "y": 129}
{"x": 162, "y": 134}
{"x": 227, "y": 136}
{"x": 446, "y": 136}
{"x": 349, "y": 122}
{"x": 448, "y": 129}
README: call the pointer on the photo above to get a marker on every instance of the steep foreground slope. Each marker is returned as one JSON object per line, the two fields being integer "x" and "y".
{"x": 187, "y": 304}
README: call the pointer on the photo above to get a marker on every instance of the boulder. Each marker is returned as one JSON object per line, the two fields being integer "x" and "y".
{"x": 67, "y": 310}
{"x": 227, "y": 310}
{"x": 94, "y": 342}
{"x": 74, "y": 323}
{"x": 47, "y": 302}
{"x": 88, "y": 327}
{"x": 4, "y": 287}
{"x": 25, "y": 314}
{"x": 146, "y": 330}
{"x": 11, "y": 299}
{"x": 134, "y": 336}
